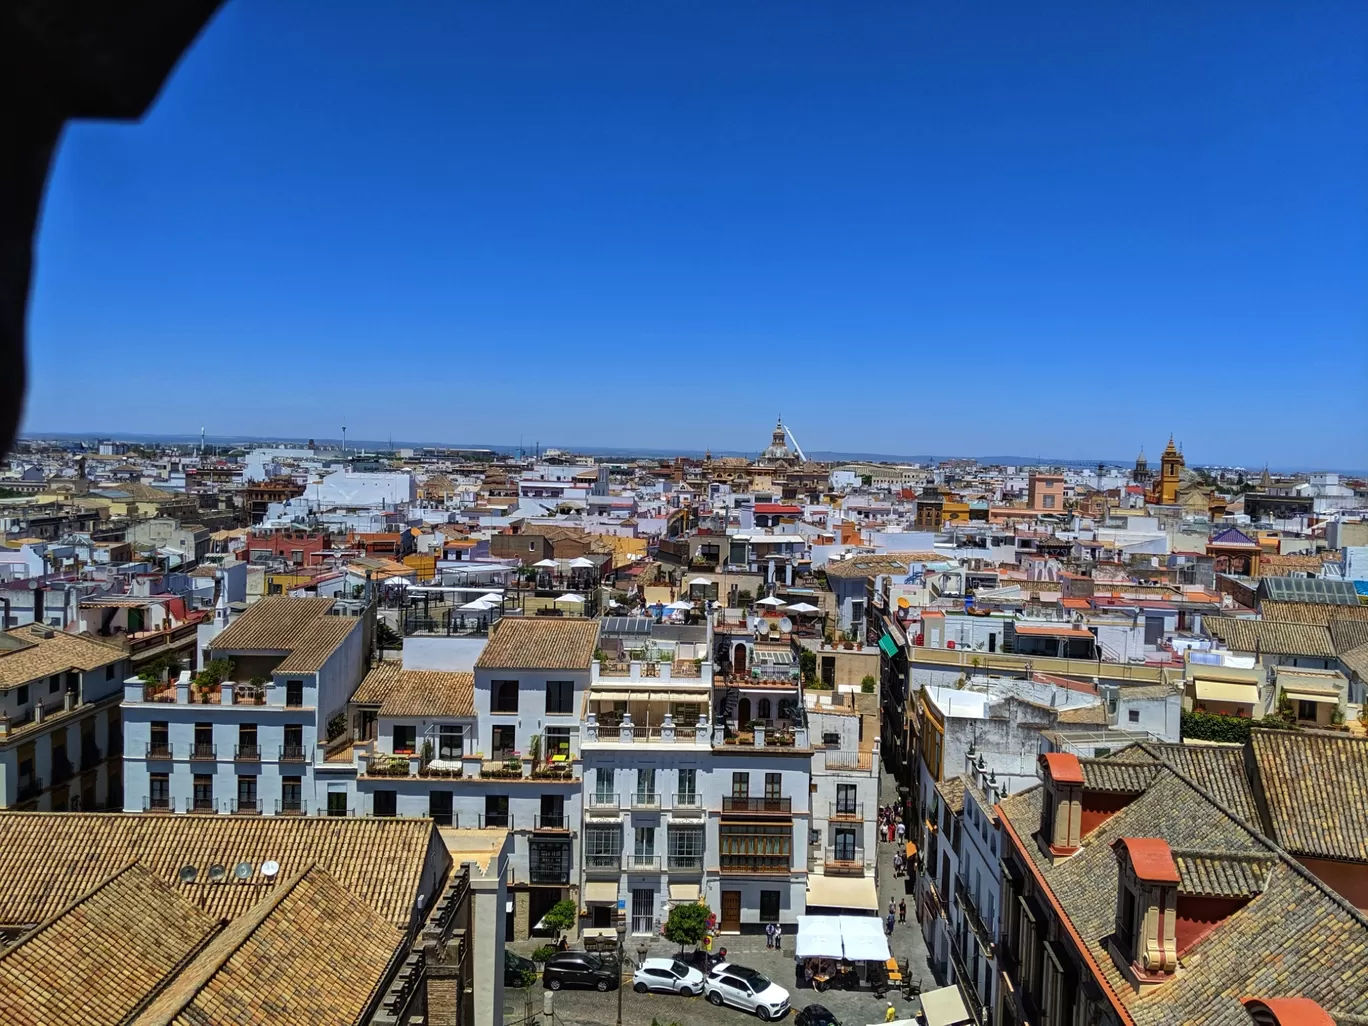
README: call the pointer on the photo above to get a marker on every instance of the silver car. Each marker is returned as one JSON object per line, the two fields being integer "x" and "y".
{"x": 667, "y": 974}
{"x": 746, "y": 989}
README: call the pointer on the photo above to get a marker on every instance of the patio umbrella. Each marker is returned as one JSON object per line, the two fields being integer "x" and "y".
{"x": 550, "y": 564}
{"x": 580, "y": 563}
{"x": 492, "y": 596}
{"x": 680, "y": 605}
{"x": 570, "y": 596}
{"x": 771, "y": 601}
{"x": 478, "y": 606}
{"x": 803, "y": 607}
{"x": 699, "y": 582}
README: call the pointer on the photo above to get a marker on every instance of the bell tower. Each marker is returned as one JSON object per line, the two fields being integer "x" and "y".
{"x": 1171, "y": 466}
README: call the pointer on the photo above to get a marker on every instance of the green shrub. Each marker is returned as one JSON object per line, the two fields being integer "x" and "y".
{"x": 688, "y": 924}
{"x": 543, "y": 953}
{"x": 868, "y": 684}
{"x": 1205, "y": 726}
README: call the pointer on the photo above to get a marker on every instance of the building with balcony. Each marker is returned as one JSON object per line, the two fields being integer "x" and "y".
{"x": 60, "y": 732}
{"x": 254, "y": 743}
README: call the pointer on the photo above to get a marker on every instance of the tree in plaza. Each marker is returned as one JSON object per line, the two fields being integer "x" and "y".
{"x": 562, "y": 915}
{"x": 688, "y": 924}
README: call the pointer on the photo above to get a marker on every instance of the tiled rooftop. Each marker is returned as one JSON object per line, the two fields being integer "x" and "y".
{"x": 298, "y": 627}
{"x": 540, "y": 643}
{"x": 401, "y": 692}
{"x": 36, "y": 657}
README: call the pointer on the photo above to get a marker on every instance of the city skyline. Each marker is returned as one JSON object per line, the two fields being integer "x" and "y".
{"x": 928, "y": 230}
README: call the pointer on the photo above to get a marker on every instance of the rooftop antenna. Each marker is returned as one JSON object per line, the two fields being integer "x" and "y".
{"x": 201, "y": 449}
{"x": 344, "y": 440}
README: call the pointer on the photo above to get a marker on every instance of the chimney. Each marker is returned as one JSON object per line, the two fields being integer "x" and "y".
{"x": 1143, "y": 943}
{"x": 1061, "y": 806}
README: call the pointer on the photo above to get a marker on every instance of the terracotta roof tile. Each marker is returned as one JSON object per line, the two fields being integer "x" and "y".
{"x": 37, "y": 657}
{"x": 1315, "y": 787}
{"x": 298, "y": 627}
{"x": 1222, "y": 876}
{"x": 540, "y": 643}
{"x": 1311, "y": 612}
{"x": 401, "y": 692}
{"x": 1270, "y": 637}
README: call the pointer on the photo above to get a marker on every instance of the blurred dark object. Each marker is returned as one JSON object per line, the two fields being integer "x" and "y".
{"x": 66, "y": 59}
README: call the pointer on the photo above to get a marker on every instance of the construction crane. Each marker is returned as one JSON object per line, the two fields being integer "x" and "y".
{"x": 796, "y": 447}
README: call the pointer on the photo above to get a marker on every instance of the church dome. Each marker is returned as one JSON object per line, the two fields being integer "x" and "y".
{"x": 777, "y": 449}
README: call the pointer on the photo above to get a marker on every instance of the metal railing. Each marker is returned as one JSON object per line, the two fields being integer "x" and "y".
{"x": 163, "y": 804}
{"x": 603, "y": 863}
{"x": 501, "y": 820}
{"x": 557, "y": 821}
{"x": 603, "y": 801}
{"x": 687, "y": 802}
{"x": 773, "y": 806}
{"x": 246, "y": 807}
{"x": 291, "y": 807}
{"x": 847, "y": 810}
{"x": 645, "y": 799}
{"x": 247, "y": 753}
{"x": 844, "y": 861}
{"x": 30, "y": 790}
{"x": 639, "y": 863}
{"x": 292, "y": 753}
{"x": 203, "y": 753}
{"x": 203, "y": 805}
{"x": 685, "y": 863}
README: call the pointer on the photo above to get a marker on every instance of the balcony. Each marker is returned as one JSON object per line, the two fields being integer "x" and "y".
{"x": 847, "y": 811}
{"x": 555, "y": 823}
{"x": 646, "y": 800}
{"x": 688, "y": 806}
{"x": 246, "y": 807}
{"x": 758, "y": 806}
{"x": 635, "y": 862}
{"x": 291, "y": 807}
{"x": 203, "y": 805}
{"x": 61, "y": 769}
{"x": 160, "y": 750}
{"x": 164, "y": 803}
{"x": 770, "y": 864}
{"x": 685, "y": 864}
{"x": 971, "y": 915}
{"x": 844, "y": 861}
{"x": 602, "y": 803}
{"x": 496, "y": 820}
{"x": 501, "y": 769}
{"x": 603, "y": 864}
{"x": 968, "y": 985}
{"x": 30, "y": 789}
{"x": 292, "y": 753}
{"x": 247, "y": 753}
{"x": 203, "y": 753}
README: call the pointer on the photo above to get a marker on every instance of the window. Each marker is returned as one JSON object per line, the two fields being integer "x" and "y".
{"x": 740, "y": 785}
{"x": 504, "y": 740}
{"x": 504, "y": 696}
{"x": 53, "y": 685}
{"x": 204, "y": 793}
{"x": 769, "y": 906}
{"x": 762, "y": 709}
{"x": 297, "y": 555}
{"x": 603, "y": 846}
{"x": 386, "y": 803}
{"x": 845, "y": 849}
{"x": 1133, "y": 715}
{"x": 604, "y": 785}
{"x": 556, "y": 742}
{"x": 496, "y": 811}
{"x": 688, "y": 787}
{"x": 646, "y": 789}
{"x": 774, "y": 786}
{"x": 552, "y": 816}
{"x": 548, "y": 862}
{"x": 450, "y": 741}
{"x": 294, "y": 693}
{"x": 405, "y": 737}
{"x": 109, "y": 672}
{"x": 1306, "y": 710}
{"x": 159, "y": 791}
{"x": 23, "y": 696}
{"x": 247, "y": 794}
{"x": 247, "y": 740}
{"x": 643, "y": 847}
{"x": 846, "y": 800}
{"x": 686, "y": 847}
{"x": 751, "y": 848}
{"x": 560, "y": 697}
{"x": 1049, "y": 501}
{"x": 337, "y": 803}
{"x": 291, "y": 794}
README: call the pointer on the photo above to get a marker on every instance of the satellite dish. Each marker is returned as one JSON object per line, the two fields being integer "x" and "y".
{"x": 785, "y": 624}
{"x": 242, "y": 870}
{"x": 270, "y": 868}
{"x": 217, "y": 872}
{"x": 187, "y": 874}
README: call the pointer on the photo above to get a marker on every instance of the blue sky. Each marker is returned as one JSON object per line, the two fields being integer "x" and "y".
{"x": 1063, "y": 229}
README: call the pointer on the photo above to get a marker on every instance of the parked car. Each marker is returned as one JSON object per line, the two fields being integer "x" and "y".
{"x": 580, "y": 969}
{"x": 746, "y": 989}
{"x": 816, "y": 1015}
{"x": 668, "y": 974}
{"x": 516, "y": 968}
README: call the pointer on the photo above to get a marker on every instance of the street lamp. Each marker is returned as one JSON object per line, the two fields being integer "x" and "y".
{"x": 621, "y": 926}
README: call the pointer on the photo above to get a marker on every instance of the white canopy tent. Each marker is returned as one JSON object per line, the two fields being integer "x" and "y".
{"x": 803, "y": 607}
{"x": 945, "y": 1007}
{"x": 549, "y": 564}
{"x": 580, "y": 563}
{"x": 819, "y": 937}
{"x": 771, "y": 601}
{"x": 572, "y": 598}
{"x": 700, "y": 582}
{"x": 854, "y": 938}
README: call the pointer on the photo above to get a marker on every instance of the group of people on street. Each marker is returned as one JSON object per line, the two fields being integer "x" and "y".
{"x": 891, "y": 826}
{"x": 773, "y": 935}
{"x": 897, "y": 913}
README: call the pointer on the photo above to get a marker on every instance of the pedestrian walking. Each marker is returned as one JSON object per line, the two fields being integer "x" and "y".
{"x": 891, "y": 908}
{"x": 888, "y": 924}
{"x": 769, "y": 935}
{"x": 890, "y": 1013}
{"x": 902, "y": 911}
{"x": 901, "y": 832}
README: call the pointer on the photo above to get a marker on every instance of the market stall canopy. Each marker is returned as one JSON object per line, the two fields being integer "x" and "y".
{"x": 548, "y": 563}
{"x": 571, "y": 597}
{"x": 580, "y": 563}
{"x": 863, "y": 939}
{"x": 771, "y": 601}
{"x": 803, "y": 607}
{"x": 944, "y": 1007}
{"x": 819, "y": 937}
{"x": 700, "y": 582}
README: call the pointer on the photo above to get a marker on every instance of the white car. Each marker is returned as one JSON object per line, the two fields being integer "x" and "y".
{"x": 668, "y": 974}
{"x": 746, "y": 989}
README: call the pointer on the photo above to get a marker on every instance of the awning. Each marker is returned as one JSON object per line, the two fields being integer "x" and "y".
{"x": 1311, "y": 696}
{"x": 1220, "y": 691}
{"x": 682, "y": 892}
{"x": 842, "y": 892}
{"x": 944, "y": 1007}
{"x": 911, "y": 850}
{"x": 863, "y": 938}
{"x": 818, "y": 936}
{"x": 600, "y": 891}
{"x": 888, "y": 646}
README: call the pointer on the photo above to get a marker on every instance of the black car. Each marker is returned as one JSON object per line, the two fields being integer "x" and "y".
{"x": 816, "y": 1015}
{"x": 580, "y": 969}
{"x": 516, "y": 969}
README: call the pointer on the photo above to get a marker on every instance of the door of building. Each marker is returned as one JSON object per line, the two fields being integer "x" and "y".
{"x": 643, "y": 911}
{"x": 439, "y": 807}
{"x": 731, "y": 911}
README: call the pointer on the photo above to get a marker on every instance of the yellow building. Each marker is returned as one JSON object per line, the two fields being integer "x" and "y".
{"x": 1165, "y": 489}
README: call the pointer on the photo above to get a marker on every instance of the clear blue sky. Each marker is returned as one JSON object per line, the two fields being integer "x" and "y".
{"x": 1063, "y": 229}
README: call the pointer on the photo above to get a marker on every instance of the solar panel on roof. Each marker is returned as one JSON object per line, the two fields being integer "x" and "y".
{"x": 1308, "y": 589}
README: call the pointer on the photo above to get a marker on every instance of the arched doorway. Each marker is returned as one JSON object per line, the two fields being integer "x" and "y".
{"x": 743, "y": 712}
{"x": 739, "y": 659}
